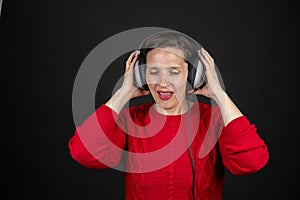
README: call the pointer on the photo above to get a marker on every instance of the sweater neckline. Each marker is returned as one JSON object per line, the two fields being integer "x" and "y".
{"x": 155, "y": 113}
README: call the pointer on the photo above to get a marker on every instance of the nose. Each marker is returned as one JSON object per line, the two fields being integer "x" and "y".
{"x": 164, "y": 80}
{"x": 163, "y": 84}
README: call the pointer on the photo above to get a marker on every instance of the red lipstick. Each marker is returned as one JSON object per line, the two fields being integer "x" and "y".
{"x": 165, "y": 95}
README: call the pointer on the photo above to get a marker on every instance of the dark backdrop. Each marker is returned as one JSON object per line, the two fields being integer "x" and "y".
{"x": 43, "y": 44}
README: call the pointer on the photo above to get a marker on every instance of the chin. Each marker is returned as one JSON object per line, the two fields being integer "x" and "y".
{"x": 167, "y": 105}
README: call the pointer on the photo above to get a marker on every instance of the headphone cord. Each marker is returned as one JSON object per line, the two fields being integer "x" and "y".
{"x": 191, "y": 151}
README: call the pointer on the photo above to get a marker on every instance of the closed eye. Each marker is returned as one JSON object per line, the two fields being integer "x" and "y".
{"x": 174, "y": 72}
{"x": 153, "y": 72}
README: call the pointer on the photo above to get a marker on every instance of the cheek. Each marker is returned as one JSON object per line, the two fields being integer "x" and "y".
{"x": 180, "y": 82}
{"x": 151, "y": 87}
{"x": 180, "y": 86}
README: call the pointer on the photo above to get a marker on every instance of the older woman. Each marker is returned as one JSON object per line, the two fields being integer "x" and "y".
{"x": 198, "y": 139}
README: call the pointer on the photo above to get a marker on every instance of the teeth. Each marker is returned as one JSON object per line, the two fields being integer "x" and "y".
{"x": 165, "y": 93}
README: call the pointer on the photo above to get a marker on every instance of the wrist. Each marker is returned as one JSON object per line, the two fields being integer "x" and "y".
{"x": 126, "y": 92}
{"x": 220, "y": 97}
{"x": 119, "y": 100}
{"x": 228, "y": 108}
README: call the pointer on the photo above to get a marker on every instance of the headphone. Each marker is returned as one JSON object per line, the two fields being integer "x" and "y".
{"x": 196, "y": 75}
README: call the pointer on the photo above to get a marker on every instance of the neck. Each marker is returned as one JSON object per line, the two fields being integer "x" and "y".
{"x": 178, "y": 110}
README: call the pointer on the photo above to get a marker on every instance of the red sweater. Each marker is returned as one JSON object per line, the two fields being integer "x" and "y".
{"x": 158, "y": 166}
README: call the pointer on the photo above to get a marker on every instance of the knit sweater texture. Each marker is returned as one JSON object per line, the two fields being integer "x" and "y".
{"x": 162, "y": 154}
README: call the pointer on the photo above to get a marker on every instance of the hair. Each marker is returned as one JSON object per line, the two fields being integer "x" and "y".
{"x": 171, "y": 39}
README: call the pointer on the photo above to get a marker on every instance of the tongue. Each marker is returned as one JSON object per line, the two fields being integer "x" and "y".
{"x": 165, "y": 95}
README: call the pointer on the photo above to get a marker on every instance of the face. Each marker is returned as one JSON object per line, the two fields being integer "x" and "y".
{"x": 166, "y": 75}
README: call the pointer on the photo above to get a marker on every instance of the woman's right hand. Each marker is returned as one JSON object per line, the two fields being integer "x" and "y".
{"x": 128, "y": 90}
{"x": 128, "y": 85}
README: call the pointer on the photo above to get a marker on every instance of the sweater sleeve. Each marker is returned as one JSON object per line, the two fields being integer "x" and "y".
{"x": 243, "y": 151}
{"x": 98, "y": 143}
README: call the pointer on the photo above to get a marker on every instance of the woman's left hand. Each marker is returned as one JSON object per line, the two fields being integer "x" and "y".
{"x": 213, "y": 88}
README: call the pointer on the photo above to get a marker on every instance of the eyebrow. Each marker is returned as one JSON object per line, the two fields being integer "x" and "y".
{"x": 171, "y": 67}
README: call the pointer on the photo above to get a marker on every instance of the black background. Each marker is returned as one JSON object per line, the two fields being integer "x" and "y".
{"x": 43, "y": 43}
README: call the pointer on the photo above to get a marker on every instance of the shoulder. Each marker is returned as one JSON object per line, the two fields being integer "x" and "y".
{"x": 140, "y": 110}
{"x": 205, "y": 104}
{"x": 137, "y": 110}
{"x": 140, "y": 105}
{"x": 208, "y": 109}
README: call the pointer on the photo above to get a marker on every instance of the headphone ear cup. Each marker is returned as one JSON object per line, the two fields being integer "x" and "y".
{"x": 140, "y": 74}
{"x": 196, "y": 76}
{"x": 191, "y": 75}
{"x": 200, "y": 77}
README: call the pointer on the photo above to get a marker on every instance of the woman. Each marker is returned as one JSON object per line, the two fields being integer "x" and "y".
{"x": 211, "y": 136}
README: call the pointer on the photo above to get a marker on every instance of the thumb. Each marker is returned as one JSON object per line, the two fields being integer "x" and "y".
{"x": 140, "y": 92}
{"x": 204, "y": 91}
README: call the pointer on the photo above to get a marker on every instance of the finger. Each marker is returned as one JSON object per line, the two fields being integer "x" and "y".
{"x": 139, "y": 93}
{"x": 204, "y": 91}
{"x": 190, "y": 91}
{"x": 204, "y": 59}
{"x": 196, "y": 91}
{"x": 135, "y": 58}
{"x": 129, "y": 60}
{"x": 205, "y": 62}
{"x": 207, "y": 57}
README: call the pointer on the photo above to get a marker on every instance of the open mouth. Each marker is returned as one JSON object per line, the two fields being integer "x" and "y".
{"x": 165, "y": 95}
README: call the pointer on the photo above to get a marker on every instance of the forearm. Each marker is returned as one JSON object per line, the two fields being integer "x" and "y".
{"x": 119, "y": 99}
{"x": 228, "y": 109}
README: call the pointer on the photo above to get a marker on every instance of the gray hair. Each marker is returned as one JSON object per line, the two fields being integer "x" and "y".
{"x": 171, "y": 39}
